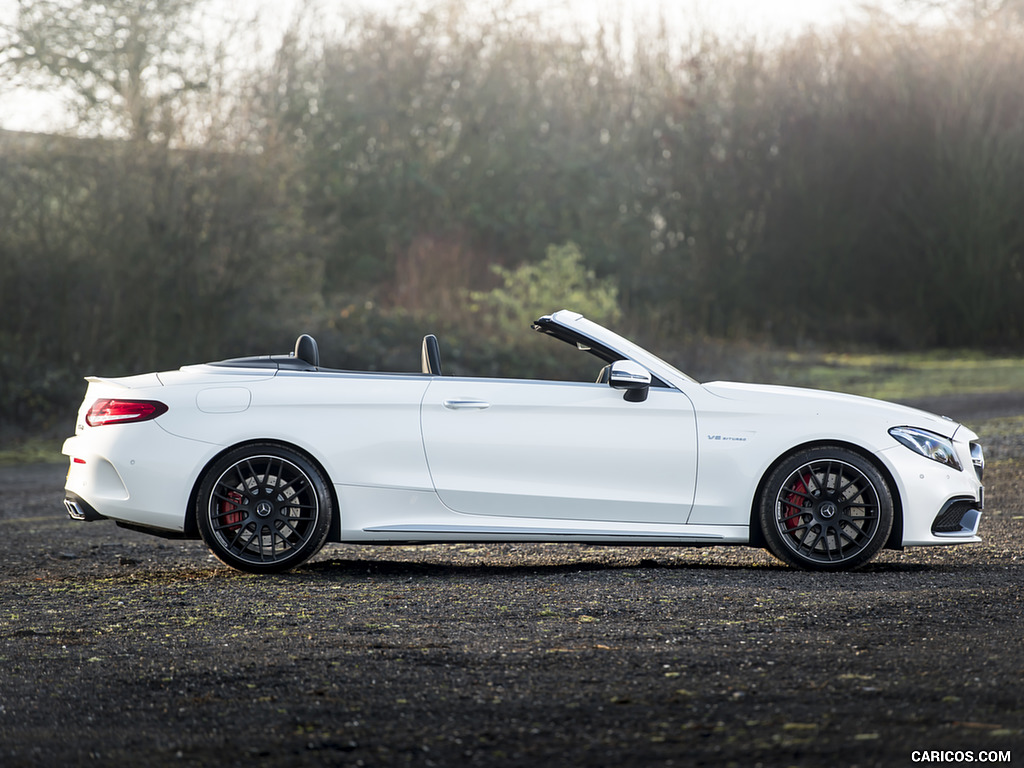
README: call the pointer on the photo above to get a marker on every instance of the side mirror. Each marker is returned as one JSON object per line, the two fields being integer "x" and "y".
{"x": 631, "y": 377}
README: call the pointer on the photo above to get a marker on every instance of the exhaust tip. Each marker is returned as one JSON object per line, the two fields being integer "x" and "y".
{"x": 75, "y": 511}
{"x": 80, "y": 510}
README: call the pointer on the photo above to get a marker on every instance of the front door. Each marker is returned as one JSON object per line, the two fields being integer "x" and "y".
{"x": 560, "y": 450}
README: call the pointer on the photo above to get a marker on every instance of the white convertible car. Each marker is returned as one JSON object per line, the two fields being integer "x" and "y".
{"x": 266, "y": 458}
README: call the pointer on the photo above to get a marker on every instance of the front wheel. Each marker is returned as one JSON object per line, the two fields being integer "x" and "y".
{"x": 826, "y": 509}
{"x": 263, "y": 508}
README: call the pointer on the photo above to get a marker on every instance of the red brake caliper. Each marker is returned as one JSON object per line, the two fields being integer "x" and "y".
{"x": 796, "y": 500}
{"x": 230, "y": 512}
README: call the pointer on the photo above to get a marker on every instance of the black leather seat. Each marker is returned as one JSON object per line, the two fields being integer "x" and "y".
{"x": 430, "y": 357}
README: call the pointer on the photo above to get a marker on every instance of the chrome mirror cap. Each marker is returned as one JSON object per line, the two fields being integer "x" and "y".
{"x": 631, "y": 377}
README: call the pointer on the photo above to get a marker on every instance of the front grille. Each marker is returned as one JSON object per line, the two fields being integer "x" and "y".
{"x": 948, "y": 520}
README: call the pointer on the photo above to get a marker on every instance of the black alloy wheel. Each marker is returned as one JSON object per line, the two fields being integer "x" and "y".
{"x": 263, "y": 508}
{"x": 826, "y": 509}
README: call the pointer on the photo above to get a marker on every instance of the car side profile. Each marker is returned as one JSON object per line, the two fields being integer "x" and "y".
{"x": 267, "y": 458}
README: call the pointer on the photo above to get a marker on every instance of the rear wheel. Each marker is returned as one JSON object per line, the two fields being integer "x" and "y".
{"x": 263, "y": 508}
{"x": 826, "y": 509}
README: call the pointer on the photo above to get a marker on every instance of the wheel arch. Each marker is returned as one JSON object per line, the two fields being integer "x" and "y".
{"x": 895, "y": 540}
{"x": 192, "y": 527}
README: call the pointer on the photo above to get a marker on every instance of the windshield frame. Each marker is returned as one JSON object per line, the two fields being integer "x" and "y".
{"x": 574, "y": 328}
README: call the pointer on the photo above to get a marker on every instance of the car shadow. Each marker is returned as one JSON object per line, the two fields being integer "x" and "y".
{"x": 334, "y": 568}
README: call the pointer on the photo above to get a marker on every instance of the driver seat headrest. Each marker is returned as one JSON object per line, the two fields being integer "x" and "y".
{"x": 430, "y": 357}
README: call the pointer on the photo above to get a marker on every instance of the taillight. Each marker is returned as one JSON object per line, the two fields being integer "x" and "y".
{"x": 113, "y": 411}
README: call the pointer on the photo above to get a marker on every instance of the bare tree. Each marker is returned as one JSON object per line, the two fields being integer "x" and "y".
{"x": 125, "y": 66}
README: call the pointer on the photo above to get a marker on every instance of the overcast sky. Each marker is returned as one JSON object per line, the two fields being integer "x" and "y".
{"x": 25, "y": 111}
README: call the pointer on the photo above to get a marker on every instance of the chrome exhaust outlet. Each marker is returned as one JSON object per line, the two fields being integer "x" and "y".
{"x": 75, "y": 512}
{"x": 80, "y": 510}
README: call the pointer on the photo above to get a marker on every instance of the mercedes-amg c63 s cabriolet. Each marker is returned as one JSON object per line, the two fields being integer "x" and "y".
{"x": 267, "y": 458}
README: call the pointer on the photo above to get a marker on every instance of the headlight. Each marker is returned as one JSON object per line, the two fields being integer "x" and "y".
{"x": 928, "y": 444}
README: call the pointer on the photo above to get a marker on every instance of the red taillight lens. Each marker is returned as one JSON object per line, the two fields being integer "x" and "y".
{"x": 123, "y": 411}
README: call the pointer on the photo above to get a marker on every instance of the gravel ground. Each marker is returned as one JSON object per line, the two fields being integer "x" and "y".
{"x": 122, "y": 649}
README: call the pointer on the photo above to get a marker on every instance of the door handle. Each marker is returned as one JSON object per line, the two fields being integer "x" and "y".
{"x": 458, "y": 405}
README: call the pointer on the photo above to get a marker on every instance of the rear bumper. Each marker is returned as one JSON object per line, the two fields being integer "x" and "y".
{"x": 132, "y": 473}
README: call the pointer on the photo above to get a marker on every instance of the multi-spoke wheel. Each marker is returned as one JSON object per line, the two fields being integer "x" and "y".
{"x": 263, "y": 508}
{"x": 826, "y": 509}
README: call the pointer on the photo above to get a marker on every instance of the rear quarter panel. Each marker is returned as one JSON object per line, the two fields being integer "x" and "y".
{"x": 362, "y": 428}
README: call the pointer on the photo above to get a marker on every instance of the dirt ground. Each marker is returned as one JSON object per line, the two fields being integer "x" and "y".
{"x": 122, "y": 649}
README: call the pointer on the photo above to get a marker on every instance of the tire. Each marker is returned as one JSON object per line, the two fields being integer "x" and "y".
{"x": 826, "y": 509}
{"x": 263, "y": 508}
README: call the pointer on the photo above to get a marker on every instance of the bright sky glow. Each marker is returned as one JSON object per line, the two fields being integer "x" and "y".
{"x": 766, "y": 19}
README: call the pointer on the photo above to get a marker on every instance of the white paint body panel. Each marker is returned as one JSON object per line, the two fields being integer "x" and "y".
{"x": 560, "y": 450}
{"x": 414, "y": 457}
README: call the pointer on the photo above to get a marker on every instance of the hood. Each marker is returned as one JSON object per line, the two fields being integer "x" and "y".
{"x": 771, "y": 397}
